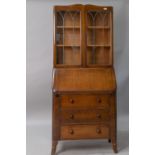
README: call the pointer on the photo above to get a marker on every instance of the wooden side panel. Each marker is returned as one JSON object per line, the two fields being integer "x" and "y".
{"x": 55, "y": 123}
{"x": 56, "y": 118}
{"x": 113, "y": 127}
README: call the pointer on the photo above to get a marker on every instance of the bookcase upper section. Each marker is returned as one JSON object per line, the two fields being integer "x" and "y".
{"x": 83, "y": 36}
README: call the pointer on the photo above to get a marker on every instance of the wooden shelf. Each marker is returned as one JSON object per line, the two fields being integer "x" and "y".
{"x": 68, "y": 27}
{"x": 99, "y": 45}
{"x": 68, "y": 45}
{"x": 98, "y": 27}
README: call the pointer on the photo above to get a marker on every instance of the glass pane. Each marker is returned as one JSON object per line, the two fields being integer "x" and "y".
{"x": 68, "y": 48}
{"x": 98, "y": 37}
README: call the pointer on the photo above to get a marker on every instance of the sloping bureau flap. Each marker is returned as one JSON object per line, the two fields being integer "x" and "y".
{"x": 83, "y": 79}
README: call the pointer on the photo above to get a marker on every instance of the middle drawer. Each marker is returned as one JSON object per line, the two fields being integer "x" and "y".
{"x": 84, "y": 116}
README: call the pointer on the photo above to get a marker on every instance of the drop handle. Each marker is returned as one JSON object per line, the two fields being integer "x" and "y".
{"x": 71, "y": 116}
{"x": 99, "y": 116}
{"x": 71, "y": 131}
{"x": 71, "y": 101}
{"x": 98, "y": 130}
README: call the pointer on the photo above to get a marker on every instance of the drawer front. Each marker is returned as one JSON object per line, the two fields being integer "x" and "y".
{"x": 84, "y": 132}
{"x": 81, "y": 116}
{"x": 85, "y": 101}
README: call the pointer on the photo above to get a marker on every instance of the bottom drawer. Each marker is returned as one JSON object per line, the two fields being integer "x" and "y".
{"x": 84, "y": 132}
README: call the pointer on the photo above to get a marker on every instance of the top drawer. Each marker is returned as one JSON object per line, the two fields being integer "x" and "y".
{"x": 85, "y": 101}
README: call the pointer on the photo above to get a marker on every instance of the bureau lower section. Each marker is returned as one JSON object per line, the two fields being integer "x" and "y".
{"x": 84, "y": 116}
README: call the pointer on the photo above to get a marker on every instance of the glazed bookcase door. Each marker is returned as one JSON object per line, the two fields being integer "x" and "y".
{"x": 98, "y": 36}
{"x": 68, "y": 37}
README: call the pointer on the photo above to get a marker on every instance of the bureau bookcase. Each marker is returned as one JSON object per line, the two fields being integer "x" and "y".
{"x": 84, "y": 83}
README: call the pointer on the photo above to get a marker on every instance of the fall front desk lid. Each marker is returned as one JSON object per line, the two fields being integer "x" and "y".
{"x": 83, "y": 79}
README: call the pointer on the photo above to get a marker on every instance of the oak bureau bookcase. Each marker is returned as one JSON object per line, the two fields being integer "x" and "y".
{"x": 84, "y": 83}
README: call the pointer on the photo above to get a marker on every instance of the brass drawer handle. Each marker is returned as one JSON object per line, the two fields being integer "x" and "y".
{"x": 71, "y": 116}
{"x": 71, "y": 101}
{"x": 99, "y": 100}
{"x": 99, "y": 116}
{"x": 71, "y": 131}
{"x": 98, "y": 130}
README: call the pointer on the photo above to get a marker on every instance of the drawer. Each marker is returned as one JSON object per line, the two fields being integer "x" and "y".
{"x": 85, "y": 101}
{"x": 84, "y": 132}
{"x": 81, "y": 116}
